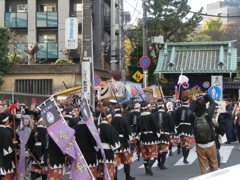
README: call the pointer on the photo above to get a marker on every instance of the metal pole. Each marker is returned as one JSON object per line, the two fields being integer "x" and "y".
{"x": 145, "y": 52}
{"x": 113, "y": 41}
{"x": 87, "y": 43}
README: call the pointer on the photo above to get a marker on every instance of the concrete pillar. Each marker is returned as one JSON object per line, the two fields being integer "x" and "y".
{"x": 113, "y": 36}
{"x": 32, "y": 32}
{"x": 2, "y": 13}
{"x": 63, "y": 14}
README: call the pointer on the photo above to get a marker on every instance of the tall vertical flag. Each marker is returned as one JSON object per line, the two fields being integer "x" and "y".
{"x": 63, "y": 136}
{"x": 87, "y": 117}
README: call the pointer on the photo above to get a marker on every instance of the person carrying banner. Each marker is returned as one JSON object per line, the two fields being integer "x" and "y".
{"x": 123, "y": 155}
{"x": 6, "y": 148}
{"x": 110, "y": 142}
{"x": 133, "y": 117}
{"x": 54, "y": 158}
{"x": 174, "y": 138}
{"x": 87, "y": 145}
{"x": 148, "y": 132}
{"x": 184, "y": 129}
{"x": 167, "y": 126}
{"x": 38, "y": 151}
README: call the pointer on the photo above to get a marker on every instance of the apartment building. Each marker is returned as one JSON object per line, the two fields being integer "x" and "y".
{"x": 43, "y": 22}
{"x": 224, "y": 8}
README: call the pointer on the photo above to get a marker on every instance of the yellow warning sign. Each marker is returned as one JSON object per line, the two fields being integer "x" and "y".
{"x": 137, "y": 76}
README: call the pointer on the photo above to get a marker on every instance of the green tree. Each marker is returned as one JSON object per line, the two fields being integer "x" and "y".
{"x": 168, "y": 18}
{"x": 5, "y": 36}
{"x": 201, "y": 38}
{"x": 212, "y": 25}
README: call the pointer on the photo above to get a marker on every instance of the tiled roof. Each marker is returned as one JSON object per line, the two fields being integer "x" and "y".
{"x": 197, "y": 57}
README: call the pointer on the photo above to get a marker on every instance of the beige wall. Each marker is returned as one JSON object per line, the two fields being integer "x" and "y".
{"x": 2, "y": 12}
{"x": 71, "y": 80}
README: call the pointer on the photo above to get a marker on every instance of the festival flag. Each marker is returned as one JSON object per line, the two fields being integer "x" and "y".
{"x": 183, "y": 80}
{"x": 22, "y": 156}
{"x": 87, "y": 117}
{"x": 63, "y": 135}
{"x": 104, "y": 91}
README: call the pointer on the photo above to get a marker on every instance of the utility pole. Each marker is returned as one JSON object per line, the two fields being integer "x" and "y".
{"x": 113, "y": 41}
{"x": 145, "y": 51}
{"x": 87, "y": 60}
{"x": 121, "y": 42}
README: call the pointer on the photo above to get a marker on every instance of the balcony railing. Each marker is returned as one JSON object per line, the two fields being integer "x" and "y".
{"x": 16, "y": 20}
{"x": 49, "y": 50}
{"x": 20, "y": 49}
{"x": 77, "y": 14}
{"x": 47, "y": 19}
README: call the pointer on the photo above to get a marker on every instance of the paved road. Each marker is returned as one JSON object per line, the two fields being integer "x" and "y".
{"x": 176, "y": 169}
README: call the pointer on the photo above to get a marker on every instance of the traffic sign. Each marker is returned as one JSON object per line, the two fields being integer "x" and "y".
{"x": 97, "y": 80}
{"x": 215, "y": 92}
{"x": 144, "y": 61}
{"x": 137, "y": 76}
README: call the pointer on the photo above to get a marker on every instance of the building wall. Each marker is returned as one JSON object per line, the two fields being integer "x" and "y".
{"x": 223, "y": 9}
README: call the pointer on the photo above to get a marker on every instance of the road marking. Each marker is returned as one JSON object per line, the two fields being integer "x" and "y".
{"x": 225, "y": 152}
{"x": 156, "y": 162}
{"x": 191, "y": 158}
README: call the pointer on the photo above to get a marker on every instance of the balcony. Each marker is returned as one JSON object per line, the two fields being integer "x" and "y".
{"x": 77, "y": 14}
{"x": 49, "y": 50}
{"x": 20, "y": 49}
{"x": 47, "y": 19}
{"x": 16, "y": 20}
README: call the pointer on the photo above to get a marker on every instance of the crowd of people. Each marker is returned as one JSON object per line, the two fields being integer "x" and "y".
{"x": 149, "y": 129}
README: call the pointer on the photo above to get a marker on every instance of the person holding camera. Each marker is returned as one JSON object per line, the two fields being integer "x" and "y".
{"x": 201, "y": 118}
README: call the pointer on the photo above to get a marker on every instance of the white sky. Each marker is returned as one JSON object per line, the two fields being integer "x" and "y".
{"x": 129, "y": 5}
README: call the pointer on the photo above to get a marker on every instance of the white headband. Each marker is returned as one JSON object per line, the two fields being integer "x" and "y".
{"x": 6, "y": 119}
{"x": 40, "y": 120}
{"x": 117, "y": 109}
{"x": 109, "y": 115}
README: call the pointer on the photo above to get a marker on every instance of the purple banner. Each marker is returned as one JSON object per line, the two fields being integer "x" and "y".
{"x": 63, "y": 136}
{"x": 87, "y": 117}
{"x": 202, "y": 83}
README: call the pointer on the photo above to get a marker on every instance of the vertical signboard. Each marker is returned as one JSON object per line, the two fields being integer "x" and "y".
{"x": 217, "y": 81}
{"x": 86, "y": 78}
{"x": 71, "y": 33}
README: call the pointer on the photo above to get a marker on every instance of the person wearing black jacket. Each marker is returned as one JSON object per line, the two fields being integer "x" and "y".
{"x": 205, "y": 152}
{"x": 220, "y": 129}
{"x": 167, "y": 127}
{"x": 184, "y": 128}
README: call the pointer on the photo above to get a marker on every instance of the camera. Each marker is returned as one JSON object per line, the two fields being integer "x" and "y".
{"x": 23, "y": 106}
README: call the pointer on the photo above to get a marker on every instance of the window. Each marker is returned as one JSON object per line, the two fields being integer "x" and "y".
{"x": 34, "y": 86}
{"x": 22, "y": 8}
{"x": 78, "y": 7}
{"x": 47, "y": 38}
{"x": 47, "y": 8}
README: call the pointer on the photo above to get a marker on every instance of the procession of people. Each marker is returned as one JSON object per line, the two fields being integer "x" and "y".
{"x": 122, "y": 131}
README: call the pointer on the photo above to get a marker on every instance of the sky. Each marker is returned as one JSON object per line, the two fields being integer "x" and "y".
{"x": 129, "y": 5}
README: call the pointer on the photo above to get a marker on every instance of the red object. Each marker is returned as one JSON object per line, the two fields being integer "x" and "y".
{"x": 144, "y": 61}
{"x": 34, "y": 100}
{"x": 13, "y": 106}
{"x": 176, "y": 93}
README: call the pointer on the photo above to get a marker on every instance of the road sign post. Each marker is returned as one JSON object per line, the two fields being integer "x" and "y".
{"x": 144, "y": 62}
{"x": 137, "y": 76}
